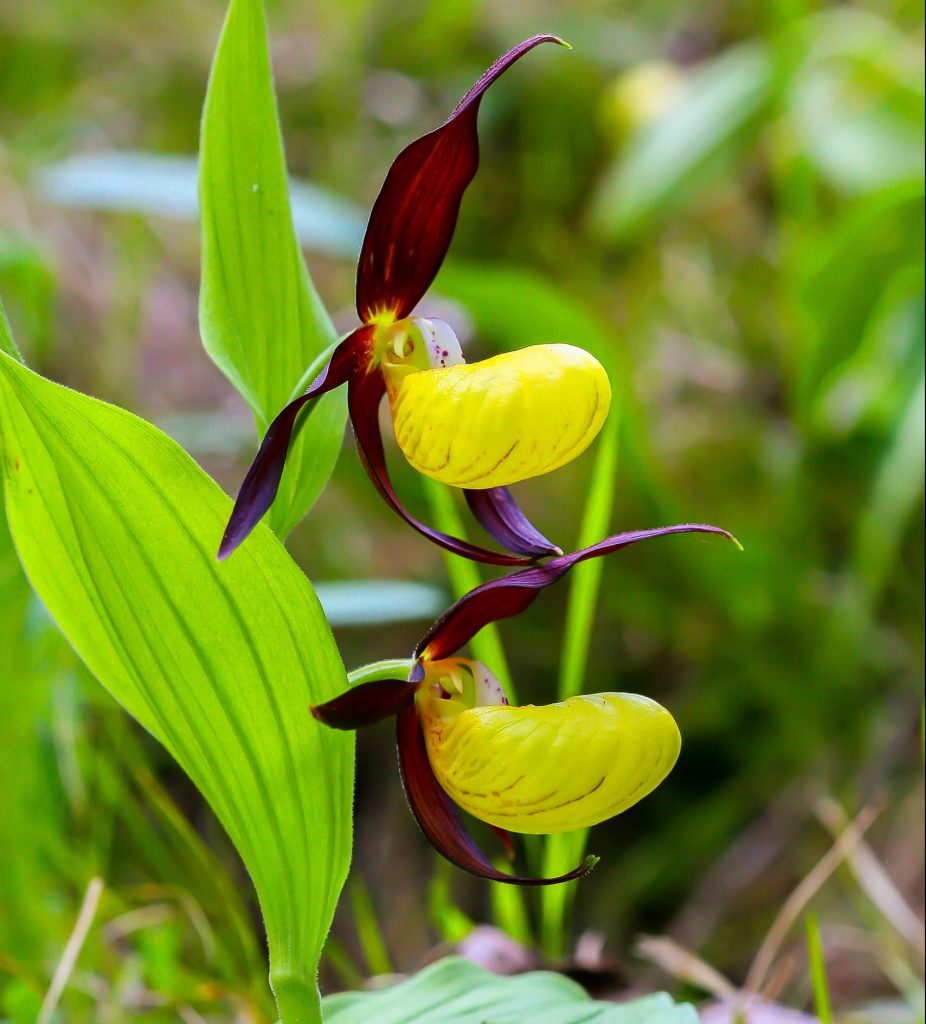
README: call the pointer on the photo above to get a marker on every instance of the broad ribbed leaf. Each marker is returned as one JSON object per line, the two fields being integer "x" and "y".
{"x": 116, "y": 526}
{"x": 260, "y": 317}
{"x": 455, "y": 991}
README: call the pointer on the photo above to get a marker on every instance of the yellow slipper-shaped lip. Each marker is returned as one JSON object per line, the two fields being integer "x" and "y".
{"x": 554, "y": 768}
{"x": 505, "y": 419}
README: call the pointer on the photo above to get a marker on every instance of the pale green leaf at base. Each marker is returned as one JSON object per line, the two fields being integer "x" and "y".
{"x": 261, "y": 319}
{"x": 116, "y": 527}
{"x": 455, "y": 991}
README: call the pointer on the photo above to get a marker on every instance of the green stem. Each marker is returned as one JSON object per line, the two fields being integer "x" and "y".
{"x": 392, "y": 668}
{"x": 297, "y": 1000}
{"x": 464, "y": 576}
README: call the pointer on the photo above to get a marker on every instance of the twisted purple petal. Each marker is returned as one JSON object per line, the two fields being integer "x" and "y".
{"x": 501, "y": 517}
{"x": 262, "y": 481}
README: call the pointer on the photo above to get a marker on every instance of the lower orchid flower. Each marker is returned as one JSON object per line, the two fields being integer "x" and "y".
{"x": 480, "y": 427}
{"x": 525, "y": 769}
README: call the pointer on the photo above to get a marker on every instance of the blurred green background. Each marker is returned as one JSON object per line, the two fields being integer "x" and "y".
{"x": 725, "y": 201}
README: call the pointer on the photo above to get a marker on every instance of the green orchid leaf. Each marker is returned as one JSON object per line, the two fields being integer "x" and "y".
{"x": 261, "y": 319}
{"x": 115, "y": 526}
{"x": 455, "y": 991}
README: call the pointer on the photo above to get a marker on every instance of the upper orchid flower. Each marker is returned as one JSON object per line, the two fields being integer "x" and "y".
{"x": 480, "y": 427}
{"x": 519, "y": 769}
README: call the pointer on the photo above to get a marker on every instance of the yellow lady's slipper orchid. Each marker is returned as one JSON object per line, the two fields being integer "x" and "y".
{"x": 479, "y": 427}
{"x": 528, "y": 769}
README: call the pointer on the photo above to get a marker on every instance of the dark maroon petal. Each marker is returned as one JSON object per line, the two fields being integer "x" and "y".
{"x": 509, "y": 595}
{"x": 365, "y": 704}
{"x": 414, "y": 216}
{"x": 263, "y": 478}
{"x": 501, "y": 517}
{"x": 363, "y": 396}
{"x": 438, "y": 817}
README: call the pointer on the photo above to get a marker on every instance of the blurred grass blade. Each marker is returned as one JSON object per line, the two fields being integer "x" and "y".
{"x": 7, "y": 344}
{"x": 261, "y": 319}
{"x": 465, "y": 992}
{"x": 897, "y": 489}
{"x": 371, "y": 937}
{"x": 895, "y": 493}
{"x": 116, "y": 526}
{"x": 860, "y": 138}
{"x": 379, "y": 602}
{"x": 337, "y": 959}
{"x": 680, "y": 963}
{"x": 153, "y": 184}
{"x": 876, "y": 379}
{"x": 802, "y": 894}
{"x": 30, "y": 822}
{"x": 689, "y": 146}
{"x": 28, "y": 280}
{"x": 845, "y": 277}
{"x": 821, "y": 989}
{"x": 452, "y": 923}
{"x": 177, "y": 855}
{"x": 65, "y": 966}
{"x": 871, "y": 875}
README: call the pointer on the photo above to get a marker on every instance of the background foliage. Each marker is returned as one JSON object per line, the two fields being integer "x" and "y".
{"x": 726, "y": 201}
